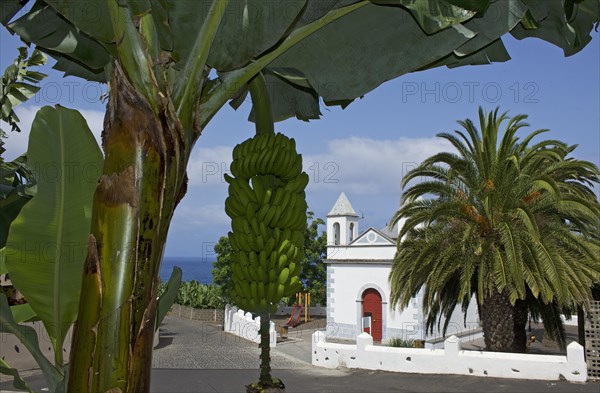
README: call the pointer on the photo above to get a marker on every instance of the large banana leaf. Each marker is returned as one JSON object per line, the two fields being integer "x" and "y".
{"x": 46, "y": 246}
{"x": 20, "y": 312}
{"x": 342, "y": 48}
{"x": 28, "y": 336}
{"x": 166, "y": 300}
{"x": 435, "y": 15}
{"x": 3, "y": 269}
{"x": 564, "y": 23}
{"x": 59, "y": 38}
{"x": 293, "y": 98}
{"x": 396, "y": 51}
{"x": 23, "y": 313}
{"x": 18, "y": 382}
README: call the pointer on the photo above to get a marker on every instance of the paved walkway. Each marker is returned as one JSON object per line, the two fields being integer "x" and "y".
{"x": 188, "y": 344}
{"x": 198, "y": 357}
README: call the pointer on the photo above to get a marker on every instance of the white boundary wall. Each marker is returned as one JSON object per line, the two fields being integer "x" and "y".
{"x": 450, "y": 360}
{"x": 569, "y": 322}
{"x": 242, "y": 324}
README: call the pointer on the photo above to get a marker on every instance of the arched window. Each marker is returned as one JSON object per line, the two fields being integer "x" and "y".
{"x": 336, "y": 233}
{"x": 351, "y": 232}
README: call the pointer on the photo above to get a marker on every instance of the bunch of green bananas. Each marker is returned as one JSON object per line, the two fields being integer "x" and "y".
{"x": 267, "y": 206}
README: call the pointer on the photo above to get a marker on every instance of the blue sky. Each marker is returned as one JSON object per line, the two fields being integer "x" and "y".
{"x": 365, "y": 149}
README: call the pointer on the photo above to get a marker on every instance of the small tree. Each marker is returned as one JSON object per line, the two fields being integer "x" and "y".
{"x": 222, "y": 267}
{"x": 314, "y": 275}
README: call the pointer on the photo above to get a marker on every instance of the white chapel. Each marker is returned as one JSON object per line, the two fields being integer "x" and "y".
{"x": 358, "y": 265}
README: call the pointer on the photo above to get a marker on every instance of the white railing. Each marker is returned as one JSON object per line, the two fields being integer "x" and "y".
{"x": 243, "y": 325}
{"x": 450, "y": 360}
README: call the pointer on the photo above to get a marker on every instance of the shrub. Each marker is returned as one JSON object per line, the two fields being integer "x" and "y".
{"x": 400, "y": 343}
{"x": 197, "y": 295}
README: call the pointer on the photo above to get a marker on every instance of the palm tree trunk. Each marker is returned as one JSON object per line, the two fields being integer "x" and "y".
{"x": 143, "y": 180}
{"x": 520, "y": 316}
{"x": 581, "y": 326}
{"x": 503, "y": 323}
{"x": 265, "y": 378}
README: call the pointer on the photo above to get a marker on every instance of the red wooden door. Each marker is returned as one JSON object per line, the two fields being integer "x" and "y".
{"x": 372, "y": 307}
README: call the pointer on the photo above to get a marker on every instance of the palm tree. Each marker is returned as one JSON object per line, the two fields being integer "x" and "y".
{"x": 507, "y": 222}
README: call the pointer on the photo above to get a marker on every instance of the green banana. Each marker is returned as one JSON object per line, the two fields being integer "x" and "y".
{"x": 254, "y": 225}
{"x": 254, "y": 290}
{"x": 280, "y": 291}
{"x": 267, "y": 196}
{"x": 269, "y": 215}
{"x": 272, "y": 291}
{"x": 272, "y": 275}
{"x": 259, "y": 191}
{"x": 283, "y": 276}
{"x": 246, "y": 228}
{"x": 282, "y": 262}
{"x": 292, "y": 266}
{"x": 286, "y": 199}
{"x": 260, "y": 242}
{"x": 264, "y": 232}
{"x": 269, "y": 245}
{"x": 253, "y": 273}
{"x": 291, "y": 251}
{"x": 262, "y": 259}
{"x": 262, "y": 274}
{"x": 261, "y": 214}
{"x": 253, "y": 259}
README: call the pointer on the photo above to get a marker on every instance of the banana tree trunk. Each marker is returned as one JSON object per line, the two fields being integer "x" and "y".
{"x": 143, "y": 180}
{"x": 265, "y": 378}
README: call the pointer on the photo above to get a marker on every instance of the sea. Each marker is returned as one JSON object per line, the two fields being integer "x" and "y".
{"x": 193, "y": 268}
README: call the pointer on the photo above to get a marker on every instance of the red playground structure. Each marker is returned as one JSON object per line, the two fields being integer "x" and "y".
{"x": 294, "y": 319}
{"x": 294, "y": 322}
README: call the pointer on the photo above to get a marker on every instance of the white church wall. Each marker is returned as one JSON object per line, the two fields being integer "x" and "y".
{"x": 361, "y": 252}
{"x": 346, "y": 282}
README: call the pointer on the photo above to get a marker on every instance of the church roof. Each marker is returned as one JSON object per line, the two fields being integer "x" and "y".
{"x": 342, "y": 207}
{"x": 373, "y": 237}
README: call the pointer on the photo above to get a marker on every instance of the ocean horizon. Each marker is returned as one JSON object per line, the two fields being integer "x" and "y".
{"x": 193, "y": 268}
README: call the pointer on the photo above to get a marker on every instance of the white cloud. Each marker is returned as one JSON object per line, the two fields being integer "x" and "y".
{"x": 368, "y": 170}
{"x": 366, "y": 166}
{"x": 191, "y": 214}
{"x": 358, "y": 165}
{"x": 16, "y": 143}
{"x": 208, "y": 164}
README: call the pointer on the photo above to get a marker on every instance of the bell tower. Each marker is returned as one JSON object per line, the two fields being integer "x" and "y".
{"x": 342, "y": 223}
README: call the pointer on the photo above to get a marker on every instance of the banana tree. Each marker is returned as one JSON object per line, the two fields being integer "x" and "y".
{"x": 172, "y": 65}
{"x": 267, "y": 206}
